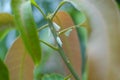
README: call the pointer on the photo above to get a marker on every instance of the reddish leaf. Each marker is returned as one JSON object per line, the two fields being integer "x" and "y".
{"x": 70, "y": 44}
{"x": 19, "y": 62}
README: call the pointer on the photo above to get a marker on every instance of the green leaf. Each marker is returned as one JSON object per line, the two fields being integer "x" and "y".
{"x": 3, "y": 49}
{"x": 6, "y": 24}
{"x": 25, "y": 22}
{"x": 85, "y": 74}
{"x": 52, "y": 77}
{"x": 83, "y": 31}
{"x": 3, "y": 71}
{"x": 3, "y": 33}
{"x": 83, "y": 38}
{"x": 19, "y": 62}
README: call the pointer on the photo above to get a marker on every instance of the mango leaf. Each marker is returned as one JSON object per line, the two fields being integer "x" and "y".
{"x": 73, "y": 53}
{"x": 25, "y": 22}
{"x": 83, "y": 38}
{"x": 19, "y": 62}
{"x": 79, "y": 18}
{"x": 103, "y": 45}
{"x": 3, "y": 71}
{"x": 3, "y": 33}
{"x": 52, "y": 77}
{"x": 118, "y": 2}
{"x": 3, "y": 49}
{"x": 6, "y": 24}
{"x": 83, "y": 32}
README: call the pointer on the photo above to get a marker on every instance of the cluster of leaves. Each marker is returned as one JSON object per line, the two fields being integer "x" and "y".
{"x": 26, "y": 52}
{"x": 18, "y": 54}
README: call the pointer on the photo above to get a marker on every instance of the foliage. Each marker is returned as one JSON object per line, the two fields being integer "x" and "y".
{"x": 4, "y": 71}
{"x": 6, "y": 23}
{"x": 26, "y": 25}
{"x": 17, "y": 61}
{"x": 74, "y": 33}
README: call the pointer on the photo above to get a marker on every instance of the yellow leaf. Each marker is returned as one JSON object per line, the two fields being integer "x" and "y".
{"x": 6, "y": 21}
{"x": 6, "y": 24}
{"x": 19, "y": 62}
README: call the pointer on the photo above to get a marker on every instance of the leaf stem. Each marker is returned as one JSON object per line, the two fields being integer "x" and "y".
{"x": 61, "y": 51}
{"x": 66, "y": 29}
{"x": 60, "y": 5}
{"x": 42, "y": 27}
{"x": 49, "y": 45}
{"x": 35, "y": 4}
{"x": 68, "y": 77}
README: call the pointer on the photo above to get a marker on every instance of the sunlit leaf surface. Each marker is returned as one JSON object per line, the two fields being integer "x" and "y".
{"x": 19, "y": 62}
{"x": 24, "y": 20}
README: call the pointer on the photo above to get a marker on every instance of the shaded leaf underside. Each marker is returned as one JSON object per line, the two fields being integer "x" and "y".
{"x": 4, "y": 75}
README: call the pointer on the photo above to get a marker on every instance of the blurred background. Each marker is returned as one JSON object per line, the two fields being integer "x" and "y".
{"x": 48, "y": 6}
